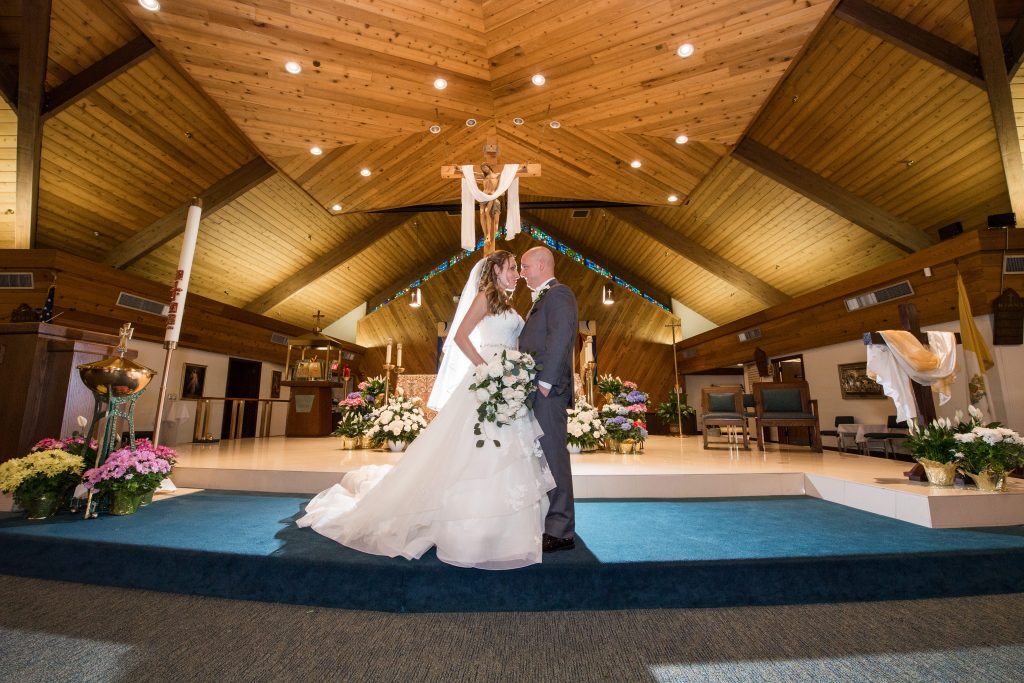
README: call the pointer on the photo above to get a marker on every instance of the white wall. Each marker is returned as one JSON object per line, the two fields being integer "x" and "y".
{"x": 691, "y": 322}
{"x": 344, "y": 328}
{"x": 179, "y": 416}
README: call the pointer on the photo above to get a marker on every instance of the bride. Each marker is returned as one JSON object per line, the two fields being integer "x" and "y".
{"x": 481, "y": 507}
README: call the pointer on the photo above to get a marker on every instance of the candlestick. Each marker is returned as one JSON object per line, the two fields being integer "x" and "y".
{"x": 388, "y": 358}
{"x": 399, "y": 360}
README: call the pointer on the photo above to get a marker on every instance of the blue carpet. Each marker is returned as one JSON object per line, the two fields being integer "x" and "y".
{"x": 664, "y": 553}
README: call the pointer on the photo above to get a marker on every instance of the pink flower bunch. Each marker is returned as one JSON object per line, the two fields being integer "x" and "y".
{"x": 164, "y": 452}
{"x": 362, "y": 386}
{"x": 629, "y": 385}
{"x": 357, "y": 402}
{"x": 70, "y": 445}
{"x": 637, "y": 408}
{"x": 141, "y": 470}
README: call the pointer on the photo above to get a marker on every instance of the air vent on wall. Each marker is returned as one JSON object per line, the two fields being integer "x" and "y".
{"x": 580, "y": 213}
{"x": 453, "y": 212}
{"x": 749, "y": 335}
{"x": 137, "y": 303}
{"x": 690, "y": 353}
{"x": 16, "y": 281}
{"x": 1013, "y": 264}
{"x": 879, "y": 296}
{"x": 281, "y": 339}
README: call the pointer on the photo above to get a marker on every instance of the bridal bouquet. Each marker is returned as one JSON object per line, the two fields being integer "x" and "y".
{"x": 399, "y": 420}
{"x": 504, "y": 388}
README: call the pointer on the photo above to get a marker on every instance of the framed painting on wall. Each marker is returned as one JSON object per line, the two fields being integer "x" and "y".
{"x": 275, "y": 384}
{"x": 855, "y": 383}
{"x": 193, "y": 381}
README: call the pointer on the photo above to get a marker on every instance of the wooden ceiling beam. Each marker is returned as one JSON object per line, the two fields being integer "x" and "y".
{"x": 94, "y": 76}
{"x": 32, "y": 59}
{"x": 837, "y": 199}
{"x": 166, "y": 228}
{"x": 348, "y": 249}
{"x": 700, "y": 255}
{"x": 609, "y": 264}
{"x": 1000, "y": 99}
{"x": 9, "y": 86}
{"x": 912, "y": 38}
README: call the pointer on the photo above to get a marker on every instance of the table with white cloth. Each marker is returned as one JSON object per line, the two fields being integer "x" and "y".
{"x": 860, "y": 430}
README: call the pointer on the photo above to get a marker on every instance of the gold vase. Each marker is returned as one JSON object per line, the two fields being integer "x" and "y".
{"x": 988, "y": 480}
{"x": 627, "y": 446}
{"x": 612, "y": 445}
{"x": 349, "y": 443}
{"x": 365, "y": 441}
{"x": 938, "y": 473}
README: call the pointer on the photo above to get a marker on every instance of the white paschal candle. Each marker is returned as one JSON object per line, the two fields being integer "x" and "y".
{"x": 387, "y": 360}
{"x": 398, "y": 361}
{"x": 180, "y": 287}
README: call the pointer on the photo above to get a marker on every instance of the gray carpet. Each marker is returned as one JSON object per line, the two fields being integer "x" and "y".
{"x": 52, "y": 631}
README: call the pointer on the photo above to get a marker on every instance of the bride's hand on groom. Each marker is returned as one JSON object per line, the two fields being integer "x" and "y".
{"x": 544, "y": 391}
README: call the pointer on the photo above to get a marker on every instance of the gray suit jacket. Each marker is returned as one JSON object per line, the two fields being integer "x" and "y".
{"x": 550, "y": 334}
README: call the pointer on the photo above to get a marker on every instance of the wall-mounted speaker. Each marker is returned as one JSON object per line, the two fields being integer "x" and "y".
{"x": 1002, "y": 220}
{"x": 950, "y": 231}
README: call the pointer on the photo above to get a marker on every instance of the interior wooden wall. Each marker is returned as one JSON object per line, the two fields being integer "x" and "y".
{"x": 86, "y": 294}
{"x": 634, "y": 341}
{"x": 820, "y": 318}
{"x": 8, "y": 158}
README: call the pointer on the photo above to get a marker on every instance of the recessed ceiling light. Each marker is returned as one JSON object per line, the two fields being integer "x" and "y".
{"x": 293, "y": 67}
{"x": 435, "y": 129}
{"x": 470, "y": 122}
{"x": 555, "y": 124}
{"x": 151, "y": 5}
{"x": 518, "y": 121}
{"x": 673, "y": 198}
{"x": 682, "y": 140}
{"x": 315, "y": 151}
{"x": 336, "y": 207}
{"x": 365, "y": 172}
{"x": 685, "y": 50}
{"x": 440, "y": 84}
{"x": 635, "y": 163}
{"x": 538, "y": 79}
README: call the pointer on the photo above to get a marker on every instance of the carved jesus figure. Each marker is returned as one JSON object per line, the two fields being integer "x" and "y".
{"x": 490, "y": 212}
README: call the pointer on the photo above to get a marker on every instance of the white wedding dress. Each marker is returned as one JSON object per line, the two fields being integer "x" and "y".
{"x": 481, "y": 507}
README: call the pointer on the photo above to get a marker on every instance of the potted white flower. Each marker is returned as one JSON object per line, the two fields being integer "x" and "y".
{"x": 585, "y": 430}
{"x": 396, "y": 423}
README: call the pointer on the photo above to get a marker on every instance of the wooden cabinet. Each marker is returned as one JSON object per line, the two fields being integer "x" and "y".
{"x": 309, "y": 408}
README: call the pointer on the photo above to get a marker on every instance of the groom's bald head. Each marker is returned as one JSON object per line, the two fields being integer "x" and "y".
{"x": 538, "y": 266}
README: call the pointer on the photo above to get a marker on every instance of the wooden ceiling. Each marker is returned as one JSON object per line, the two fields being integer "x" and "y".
{"x": 202, "y": 102}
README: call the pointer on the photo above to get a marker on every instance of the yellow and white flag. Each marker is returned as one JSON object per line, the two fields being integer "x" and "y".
{"x": 976, "y": 354}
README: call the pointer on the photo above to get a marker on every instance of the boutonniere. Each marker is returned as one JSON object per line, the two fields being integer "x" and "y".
{"x": 538, "y": 294}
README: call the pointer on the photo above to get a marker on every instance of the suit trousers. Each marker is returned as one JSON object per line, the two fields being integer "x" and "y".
{"x": 550, "y": 412}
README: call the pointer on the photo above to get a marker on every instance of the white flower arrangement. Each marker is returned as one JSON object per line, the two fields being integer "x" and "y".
{"x": 585, "y": 427}
{"x": 400, "y": 420}
{"x": 504, "y": 389}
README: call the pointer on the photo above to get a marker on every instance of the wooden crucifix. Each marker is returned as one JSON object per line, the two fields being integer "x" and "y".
{"x": 922, "y": 394}
{"x": 487, "y": 174}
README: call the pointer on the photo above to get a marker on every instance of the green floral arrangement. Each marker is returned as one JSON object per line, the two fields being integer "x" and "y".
{"x": 47, "y": 472}
{"x": 937, "y": 441}
{"x": 989, "y": 449}
{"x": 372, "y": 390}
{"x": 352, "y": 424}
{"x": 667, "y": 410}
{"x": 609, "y": 384}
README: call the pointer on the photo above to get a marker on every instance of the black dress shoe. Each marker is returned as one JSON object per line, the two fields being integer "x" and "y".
{"x": 553, "y": 544}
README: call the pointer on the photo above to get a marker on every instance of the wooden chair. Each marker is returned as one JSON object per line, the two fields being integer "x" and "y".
{"x": 723, "y": 407}
{"x": 787, "y": 404}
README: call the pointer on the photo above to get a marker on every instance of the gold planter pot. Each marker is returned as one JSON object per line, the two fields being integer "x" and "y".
{"x": 349, "y": 443}
{"x": 988, "y": 480}
{"x": 939, "y": 474}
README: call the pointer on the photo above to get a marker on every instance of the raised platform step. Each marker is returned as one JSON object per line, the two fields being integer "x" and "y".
{"x": 630, "y": 554}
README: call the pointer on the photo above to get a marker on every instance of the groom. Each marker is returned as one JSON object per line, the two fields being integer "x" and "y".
{"x": 549, "y": 335}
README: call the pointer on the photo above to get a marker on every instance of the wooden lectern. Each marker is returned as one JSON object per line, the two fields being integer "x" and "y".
{"x": 42, "y": 393}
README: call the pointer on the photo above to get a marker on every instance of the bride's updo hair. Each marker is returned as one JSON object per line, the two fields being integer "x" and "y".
{"x": 498, "y": 300}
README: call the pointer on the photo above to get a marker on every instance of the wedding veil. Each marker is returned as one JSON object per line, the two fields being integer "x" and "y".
{"x": 454, "y": 363}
